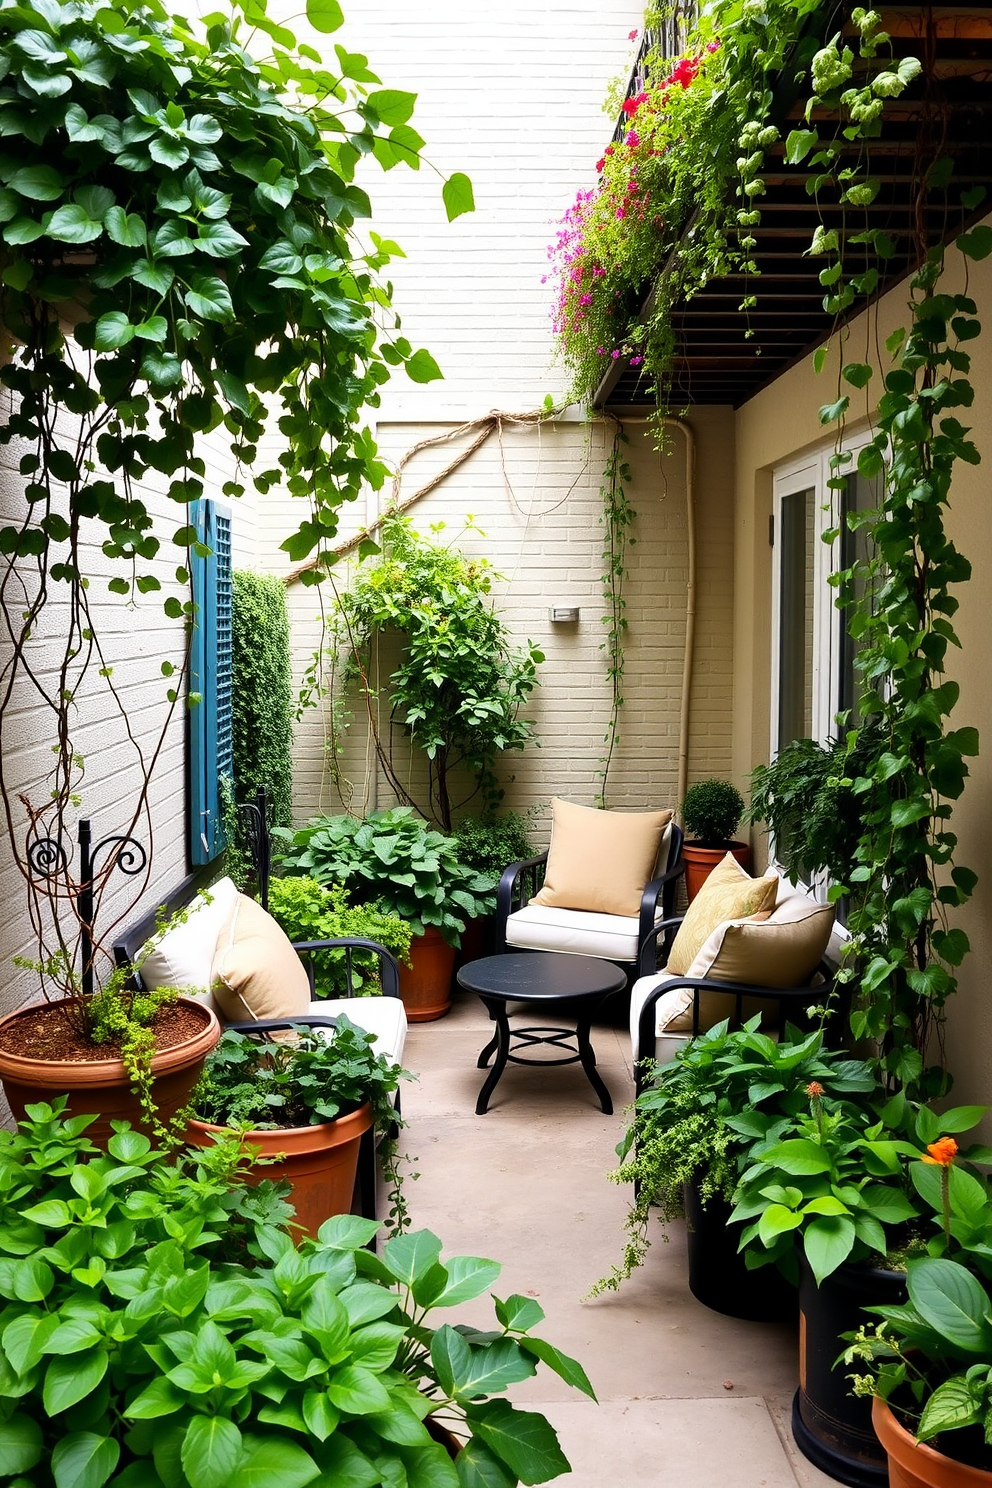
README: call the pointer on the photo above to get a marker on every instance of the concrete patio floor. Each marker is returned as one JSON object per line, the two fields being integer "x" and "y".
{"x": 688, "y": 1398}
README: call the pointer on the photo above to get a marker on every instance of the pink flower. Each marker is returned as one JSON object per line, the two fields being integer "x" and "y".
{"x": 631, "y": 35}
{"x": 597, "y": 271}
{"x": 633, "y": 139}
{"x": 621, "y": 213}
{"x": 636, "y": 361}
{"x": 600, "y": 351}
{"x": 614, "y": 354}
{"x": 585, "y": 299}
{"x": 713, "y": 46}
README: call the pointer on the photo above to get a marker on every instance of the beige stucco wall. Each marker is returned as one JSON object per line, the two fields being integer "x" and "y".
{"x": 777, "y": 425}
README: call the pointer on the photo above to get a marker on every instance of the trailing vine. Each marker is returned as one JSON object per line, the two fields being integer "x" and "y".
{"x": 617, "y": 518}
{"x": 670, "y": 215}
{"x": 189, "y": 205}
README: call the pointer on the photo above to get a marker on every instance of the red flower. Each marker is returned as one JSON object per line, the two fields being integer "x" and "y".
{"x": 631, "y": 35}
{"x": 631, "y": 105}
{"x": 600, "y": 163}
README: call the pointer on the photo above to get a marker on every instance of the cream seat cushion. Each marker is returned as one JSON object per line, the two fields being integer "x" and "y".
{"x": 183, "y": 956}
{"x": 600, "y": 861}
{"x": 256, "y": 973}
{"x": 537, "y": 927}
{"x": 729, "y": 893}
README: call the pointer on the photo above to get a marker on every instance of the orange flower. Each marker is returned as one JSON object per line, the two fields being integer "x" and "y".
{"x": 813, "y": 1089}
{"x": 942, "y": 1152}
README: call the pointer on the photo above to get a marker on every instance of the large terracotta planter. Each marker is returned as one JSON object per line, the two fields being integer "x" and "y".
{"x": 101, "y": 1085}
{"x": 425, "y": 986}
{"x": 700, "y": 862}
{"x": 830, "y": 1425}
{"x": 915, "y": 1464}
{"x": 319, "y": 1162}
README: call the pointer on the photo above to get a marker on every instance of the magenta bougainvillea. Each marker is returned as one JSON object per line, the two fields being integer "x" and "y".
{"x": 607, "y": 241}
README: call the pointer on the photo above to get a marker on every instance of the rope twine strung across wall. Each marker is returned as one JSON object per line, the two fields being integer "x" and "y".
{"x": 484, "y": 427}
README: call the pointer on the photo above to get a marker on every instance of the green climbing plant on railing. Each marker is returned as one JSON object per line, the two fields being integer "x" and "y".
{"x": 617, "y": 518}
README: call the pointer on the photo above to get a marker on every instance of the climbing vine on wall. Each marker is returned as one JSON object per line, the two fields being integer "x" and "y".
{"x": 617, "y": 518}
{"x": 262, "y": 695}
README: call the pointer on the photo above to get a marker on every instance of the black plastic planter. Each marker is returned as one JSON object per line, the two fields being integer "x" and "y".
{"x": 831, "y": 1426}
{"x": 718, "y": 1276}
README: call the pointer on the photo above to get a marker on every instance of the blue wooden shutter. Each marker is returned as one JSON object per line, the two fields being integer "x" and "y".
{"x": 209, "y": 736}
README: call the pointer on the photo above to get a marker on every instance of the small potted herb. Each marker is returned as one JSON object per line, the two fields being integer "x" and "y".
{"x": 395, "y": 860}
{"x": 160, "y": 1358}
{"x": 711, "y": 814}
{"x": 304, "y": 1106}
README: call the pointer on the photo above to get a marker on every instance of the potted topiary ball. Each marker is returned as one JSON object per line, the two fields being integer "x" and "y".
{"x": 711, "y": 812}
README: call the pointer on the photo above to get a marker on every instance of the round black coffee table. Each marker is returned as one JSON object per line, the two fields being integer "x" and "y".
{"x": 541, "y": 977}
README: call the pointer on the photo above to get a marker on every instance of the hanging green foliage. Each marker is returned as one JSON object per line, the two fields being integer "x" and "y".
{"x": 262, "y": 696}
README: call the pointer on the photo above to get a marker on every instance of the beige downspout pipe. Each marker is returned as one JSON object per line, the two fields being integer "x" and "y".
{"x": 690, "y": 606}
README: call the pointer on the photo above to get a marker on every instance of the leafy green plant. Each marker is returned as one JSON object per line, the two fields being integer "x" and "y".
{"x": 688, "y": 1126}
{"x": 393, "y": 859}
{"x": 318, "y": 1076}
{"x": 460, "y": 683}
{"x": 488, "y": 844}
{"x": 308, "y": 911}
{"x": 932, "y": 1359}
{"x": 806, "y": 798}
{"x": 133, "y": 1351}
{"x": 262, "y": 692}
{"x": 617, "y": 519}
{"x": 189, "y": 204}
{"x": 711, "y": 811}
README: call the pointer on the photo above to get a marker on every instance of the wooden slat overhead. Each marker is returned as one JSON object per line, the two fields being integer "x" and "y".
{"x": 717, "y": 360}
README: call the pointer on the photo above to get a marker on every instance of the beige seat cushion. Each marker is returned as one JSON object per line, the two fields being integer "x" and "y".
{"x": 729, "y": 893}
{"x": 600, "y": 861}
{"x": 573, "y": 931}
{"x": 183, "y": 955}
{"x": 256, "y": 972}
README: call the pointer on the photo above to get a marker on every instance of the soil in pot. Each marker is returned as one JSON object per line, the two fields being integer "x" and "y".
{"x": 700, "y": 862}
{"x": 915, "y": 1464}
{"x": 425, "y": 986}
{"x": 831, "y": 1426}
{"x": 718, "y": 1276}
{"x": 43, "y": 1055}
{"x": 319, "y": 1162}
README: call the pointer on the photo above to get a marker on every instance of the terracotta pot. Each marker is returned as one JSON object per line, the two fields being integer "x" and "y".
{"x": 700, "y": 862}
{"x": 425, "y": 987}
{"x": 101, "y": 1085}
{"x": 915, "y": 1464}
{"x": 319, "y": 1162}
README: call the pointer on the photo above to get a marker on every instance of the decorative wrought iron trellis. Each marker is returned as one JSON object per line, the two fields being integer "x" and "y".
{"x": 47, "y": 858}
{"x": 669, "y": 38}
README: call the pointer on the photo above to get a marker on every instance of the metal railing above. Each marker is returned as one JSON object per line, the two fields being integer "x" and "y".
{"x": 669, "y": 38}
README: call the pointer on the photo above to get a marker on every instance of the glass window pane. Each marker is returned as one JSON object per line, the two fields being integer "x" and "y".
{"x": 797, "y": 555}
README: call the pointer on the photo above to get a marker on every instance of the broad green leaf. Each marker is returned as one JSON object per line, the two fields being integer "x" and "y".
{"x": 211, "y": 1451}
{"x": 113, "y": 330}
{"x": 357, "y": 1391}
{"x": 84, "y": 1460}
{"x": 458, "y": 196}
{"x": 777, "y": 1220}
{"x": 828, "y": 1242}
{"x": 478, "y": 1468}
{"x": 408, "y": 1256}
{"x": 220, "y": 239}
{"x": 73, "y": 224}
{"x": 364, "y": 1302}
{"x": 20, "y": 1444}
{"x": 37, "y": 182}
{"x": 159, "y": 1398}
{"x": 568, "y": 1369}
{"x": 208, "y": 297}
{"x": 430, "y": 1466}
{"x": 391, "y": 106}
{"x": 273, "y": 1462}
{"x": 467, "y": 1277}
{"x": 798, "y": 144}
{"x": 319, "y": 1415}
{"x": 519, "y": 1313}
{"x": 28, "y": 1280}
{"x": 526, "y": 1442}
{"x": 344, "y": 1466}
{"x": 347, "y": 1232}
{"x": 951, "y": 1300}
{"x": 474, "y": 1371}
{"x": 953, "y": 1404}
{"x": 799, "y": 1157}
{"x": 325, "y": 15}
{"x": 127, "y": 229}
{"x": 70, "y": 1379}
{"x": 422, "y": 367}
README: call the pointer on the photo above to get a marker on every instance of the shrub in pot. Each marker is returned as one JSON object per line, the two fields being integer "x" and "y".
{"x": 711, "y": 813}
{"x": 303, "y": 1105}
{"x": 488, "y": 844}
{"x": 158, "y": 1328}
{"x": 698, "y": 1125}
{"x": 395, "y": 860}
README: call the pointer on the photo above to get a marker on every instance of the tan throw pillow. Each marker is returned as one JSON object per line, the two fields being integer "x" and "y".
{"x": 781, "y": 951}
{"x": 600, "y": 861}
{"x": 256, "y": 973}
{"x": 728, "y": 894}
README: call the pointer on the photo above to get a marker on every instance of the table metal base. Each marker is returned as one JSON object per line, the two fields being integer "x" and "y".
{"x": 506, "y": 1039}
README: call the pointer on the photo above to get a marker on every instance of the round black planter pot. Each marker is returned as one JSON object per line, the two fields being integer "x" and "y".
{"x": 718, "y": 1276}
{"x": 831, "y": 1426}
